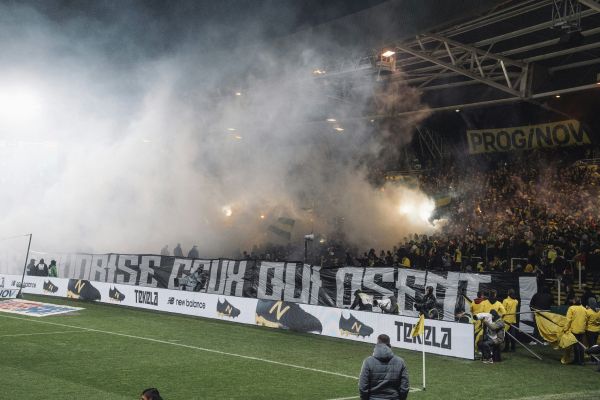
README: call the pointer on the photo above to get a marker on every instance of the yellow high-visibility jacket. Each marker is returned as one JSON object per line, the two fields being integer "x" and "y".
{"x": 576, "y": 319}
{"x": 593, "y": 321}
{"x": 487, "y": 307}
{"x": 510, "y": 305}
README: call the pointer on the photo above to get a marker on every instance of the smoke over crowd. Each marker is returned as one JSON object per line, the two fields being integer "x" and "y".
{"x": 118, "y": 136}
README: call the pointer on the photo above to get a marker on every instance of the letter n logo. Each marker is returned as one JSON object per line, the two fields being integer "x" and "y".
{"x": 280, "y": 311}
{"x": 356, "y": 327}
{"x": 79, "y": 285}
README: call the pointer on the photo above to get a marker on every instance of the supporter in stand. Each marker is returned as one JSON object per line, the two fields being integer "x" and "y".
{"x": 165, "y": 251}
{"x": 52, "y": 270}
{"x": 178, "y": 252}
{"x": 193, "y": 253}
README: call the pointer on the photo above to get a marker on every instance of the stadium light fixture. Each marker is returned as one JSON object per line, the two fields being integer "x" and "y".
{"x": 457, "y": 110}
{"x": 238, "y": 93}
{"x": 557, "y": 96}
{"x": 339, "y": 129}
{"x": 231, "y": 129}
{"x": 388, "y": 53}
{"x": 331, "y": 120}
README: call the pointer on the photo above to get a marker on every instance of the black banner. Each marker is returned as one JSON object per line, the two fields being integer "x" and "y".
{"x": 290, "y": 281}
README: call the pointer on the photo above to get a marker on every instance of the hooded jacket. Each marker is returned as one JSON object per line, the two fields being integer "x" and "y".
{"x": 383, "y": 376}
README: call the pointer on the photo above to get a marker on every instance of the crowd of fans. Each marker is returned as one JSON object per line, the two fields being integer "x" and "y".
{"x": 536, "y": 212}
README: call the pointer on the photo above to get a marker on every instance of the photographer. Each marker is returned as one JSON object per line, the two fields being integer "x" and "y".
{"x": 388, "y": 306}
{"x": 427, "y": 305}
{"x": 363, "y": 301}
{"x": 493, "y": 336}
{"x": 194, "y": 281}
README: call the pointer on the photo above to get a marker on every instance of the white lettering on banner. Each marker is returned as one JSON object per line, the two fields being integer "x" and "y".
{"x": 98, "y": 267}
{"x": 124, "y": 273}
{"x": 406, "y": 293}
{"x": 218, "y": 272}
{"x": 81, "y": 268}
{"x": 176, "y": 271}
{"x": 315, "y": 280}
{"x": 356, "y": 278}
{"x": 235, "y": 280}
{"x": 276, "y": 283}
{"x": 111, "y": 268}
{"x": 527, "y": 288}
{"x": 387, "y": 275}
{"x": 473, "y": 283}
{"x": 449, "y": 296}
{"x": 146, "y": 272}
{"x": 290, "y": 283}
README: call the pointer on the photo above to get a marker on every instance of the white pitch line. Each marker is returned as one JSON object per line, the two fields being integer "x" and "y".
{"x": 188, "y": 347}
{"x": 346, "y": 398}
{"x": 40, "y": 333}
{"x": 559, "y": 396}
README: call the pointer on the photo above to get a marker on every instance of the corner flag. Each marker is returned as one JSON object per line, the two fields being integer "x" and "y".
{"x": 419, "y": 328}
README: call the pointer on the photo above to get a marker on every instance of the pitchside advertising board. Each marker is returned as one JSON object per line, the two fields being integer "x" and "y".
{"x": 295, "y": 282}
{"x": 441, "y": 337}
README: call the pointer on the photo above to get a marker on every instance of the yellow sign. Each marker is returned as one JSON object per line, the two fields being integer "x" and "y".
{"x": 556, "y": 134}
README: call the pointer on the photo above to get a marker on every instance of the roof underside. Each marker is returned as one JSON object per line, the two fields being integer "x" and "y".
{"x": 521, "y": 50}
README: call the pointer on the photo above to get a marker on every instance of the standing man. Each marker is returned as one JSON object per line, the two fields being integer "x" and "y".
{"x": 494, "y": 334}
{"x": 383, "y": 375}
{"x": 178, "y": 252}
{"x": 510, "y": 305}
{"x": 593, "y": 321}
{"x": 576, "y": 324}
{"x": 52, "y": 270}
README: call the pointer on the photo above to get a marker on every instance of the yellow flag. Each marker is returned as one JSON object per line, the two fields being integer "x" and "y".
{"x": 419, "y": 328}
{"x": 550, "y": 326}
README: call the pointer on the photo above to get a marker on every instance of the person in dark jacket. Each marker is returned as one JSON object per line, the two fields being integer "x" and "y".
{"x": 193, "y": 253}
{"x": 363, "y": 301}
{"x": 383, "y": 375}
{"x": 178, "y": 251}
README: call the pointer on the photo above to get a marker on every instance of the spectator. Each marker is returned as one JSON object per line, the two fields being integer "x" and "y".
{"x": 165, "y": 251}
{"x": 383, "y": 375}
{"x": 178, "y": 252}
{"x": 52, "y": 270}
{"x": 41, "y": 269}
{"x": 193, "y": 253}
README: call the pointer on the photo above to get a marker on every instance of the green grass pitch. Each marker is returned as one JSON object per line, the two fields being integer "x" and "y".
{"x": 122, "y": 351}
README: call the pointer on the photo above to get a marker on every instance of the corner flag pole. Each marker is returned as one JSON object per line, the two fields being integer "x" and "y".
{"x": 423, "y": 349}
{"x": 20, "y": 294}
{"x": 419, "y": 330}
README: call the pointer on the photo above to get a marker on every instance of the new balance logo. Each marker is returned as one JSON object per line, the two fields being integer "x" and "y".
{"x": 115, "y": 295}
{"x": 281, "y": 314}
{"x": 280, "y": 309}
{"x": 225, "y": 309}
{"x": 354, "y": 327}
{"x": 50, "y": 287}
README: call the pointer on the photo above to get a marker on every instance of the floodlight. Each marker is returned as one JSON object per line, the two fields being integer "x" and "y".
{"x": 388, "y": 53}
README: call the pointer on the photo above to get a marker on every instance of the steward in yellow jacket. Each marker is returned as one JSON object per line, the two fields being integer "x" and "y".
{"x": 511, "y": 306}
{"x": 492, "y": 303}
{"x": 576, "y": 323}
{"x": 593, "y": 321}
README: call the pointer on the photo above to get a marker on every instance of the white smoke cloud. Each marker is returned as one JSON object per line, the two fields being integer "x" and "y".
{"x": 106, "y": 152}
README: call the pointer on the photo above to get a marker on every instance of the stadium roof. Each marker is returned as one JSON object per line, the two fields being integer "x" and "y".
{"x": 519, "y": 50}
